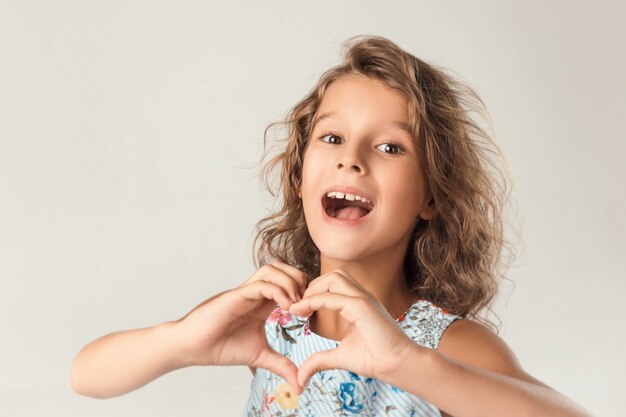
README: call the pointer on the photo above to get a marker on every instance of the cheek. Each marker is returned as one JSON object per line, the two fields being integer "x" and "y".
{"x": 310, "y": 180}
{"x": 406, "y": 190}
{"x": 312, "y": 166}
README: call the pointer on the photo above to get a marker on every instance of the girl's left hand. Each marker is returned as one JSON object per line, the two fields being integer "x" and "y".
{"x": 374, "y": 345}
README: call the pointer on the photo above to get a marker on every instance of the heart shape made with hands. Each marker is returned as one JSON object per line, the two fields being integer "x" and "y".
{"x": 373, "y": 346}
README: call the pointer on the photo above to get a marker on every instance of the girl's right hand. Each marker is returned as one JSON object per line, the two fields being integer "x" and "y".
{"x": 229, "y": 328}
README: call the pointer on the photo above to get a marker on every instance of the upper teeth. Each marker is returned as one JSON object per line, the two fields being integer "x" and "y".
{"x": 351, "y": 197}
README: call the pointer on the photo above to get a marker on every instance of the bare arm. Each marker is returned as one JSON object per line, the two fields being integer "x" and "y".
{"x": 124, "y": 361}
{"x": 120, "y": 362}
{"x": 474, "y": 373}
{"x": 226, "y": 329}
{"x": 465, "y": 391}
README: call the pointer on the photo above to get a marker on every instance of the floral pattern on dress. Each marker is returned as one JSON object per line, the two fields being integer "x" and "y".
{"x": 285, "y": 397}
{"x": 338, "y": 392}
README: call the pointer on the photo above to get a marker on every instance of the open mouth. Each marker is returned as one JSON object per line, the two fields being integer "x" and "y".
{"x": 340, "y": 208}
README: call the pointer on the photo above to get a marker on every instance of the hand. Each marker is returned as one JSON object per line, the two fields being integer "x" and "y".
{"x": 374, "y": 346}
{"x": 229, "y": 328}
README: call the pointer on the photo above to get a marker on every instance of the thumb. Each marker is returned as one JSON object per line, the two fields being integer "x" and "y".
{"x": 317, "y": 362}
{"x": 280, "y": 365}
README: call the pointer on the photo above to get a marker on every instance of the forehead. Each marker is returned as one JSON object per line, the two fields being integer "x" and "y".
{"x": 364, "y": 100}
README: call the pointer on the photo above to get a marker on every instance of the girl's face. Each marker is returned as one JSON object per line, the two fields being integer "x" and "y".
{"x": 358, "y": 140}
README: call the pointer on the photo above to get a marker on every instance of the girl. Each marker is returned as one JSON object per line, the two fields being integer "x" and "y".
{"x": 387, "y": 246}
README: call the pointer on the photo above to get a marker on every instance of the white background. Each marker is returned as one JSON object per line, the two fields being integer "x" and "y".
{"x": 129, "y": 133}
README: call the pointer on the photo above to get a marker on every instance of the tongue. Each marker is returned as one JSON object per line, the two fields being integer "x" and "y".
{"x": 350, "y": 213}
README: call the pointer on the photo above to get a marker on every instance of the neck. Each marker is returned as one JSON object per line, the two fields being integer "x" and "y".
{"x": 382, "y": 275}
{"x": 386, "y": 281}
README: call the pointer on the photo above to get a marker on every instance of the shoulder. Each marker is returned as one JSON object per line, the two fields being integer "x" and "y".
{"x": 426, "y": 322}
{"x": 474, "y": 344}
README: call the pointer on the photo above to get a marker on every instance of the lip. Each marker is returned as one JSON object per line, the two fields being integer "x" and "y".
{"x": 345, "y": 222}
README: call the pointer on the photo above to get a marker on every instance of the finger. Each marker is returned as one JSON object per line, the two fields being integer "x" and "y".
{"x": 282, "y": 278}
{"x": 270, "y": 273}
{"x": 299, "y": 276}
{"x": 320, "y": 361}
{"x": 280, "y": 365}
{"x": 333, "y": 282}
{"x": 263, "y": 289}
{"x": 348, "y": 306}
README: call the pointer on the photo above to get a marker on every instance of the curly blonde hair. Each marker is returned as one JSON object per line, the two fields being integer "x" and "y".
{"x": 454, "y": 260}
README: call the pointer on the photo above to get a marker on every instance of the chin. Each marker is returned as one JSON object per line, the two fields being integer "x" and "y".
{"x": 340, "y": 252}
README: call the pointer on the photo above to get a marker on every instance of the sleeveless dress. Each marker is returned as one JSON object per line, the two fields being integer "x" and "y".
{"x": 339, "y": 392}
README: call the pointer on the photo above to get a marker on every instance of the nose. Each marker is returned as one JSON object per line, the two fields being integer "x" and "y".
{"x": 355, "y": 166}
{"x": 351, "y": 160}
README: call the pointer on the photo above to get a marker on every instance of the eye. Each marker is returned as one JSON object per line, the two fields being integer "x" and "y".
{"x": 398, "y": 149}
{"x": 330, "y": 134}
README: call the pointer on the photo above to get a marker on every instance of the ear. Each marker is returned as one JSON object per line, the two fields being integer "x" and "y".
{"x": 428, "y": 212}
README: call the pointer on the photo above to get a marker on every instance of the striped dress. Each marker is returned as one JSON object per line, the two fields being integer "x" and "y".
{"x": 338, "y": 392}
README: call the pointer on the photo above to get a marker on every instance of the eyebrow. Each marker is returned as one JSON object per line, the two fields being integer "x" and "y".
{"x": 329, "y": 115}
